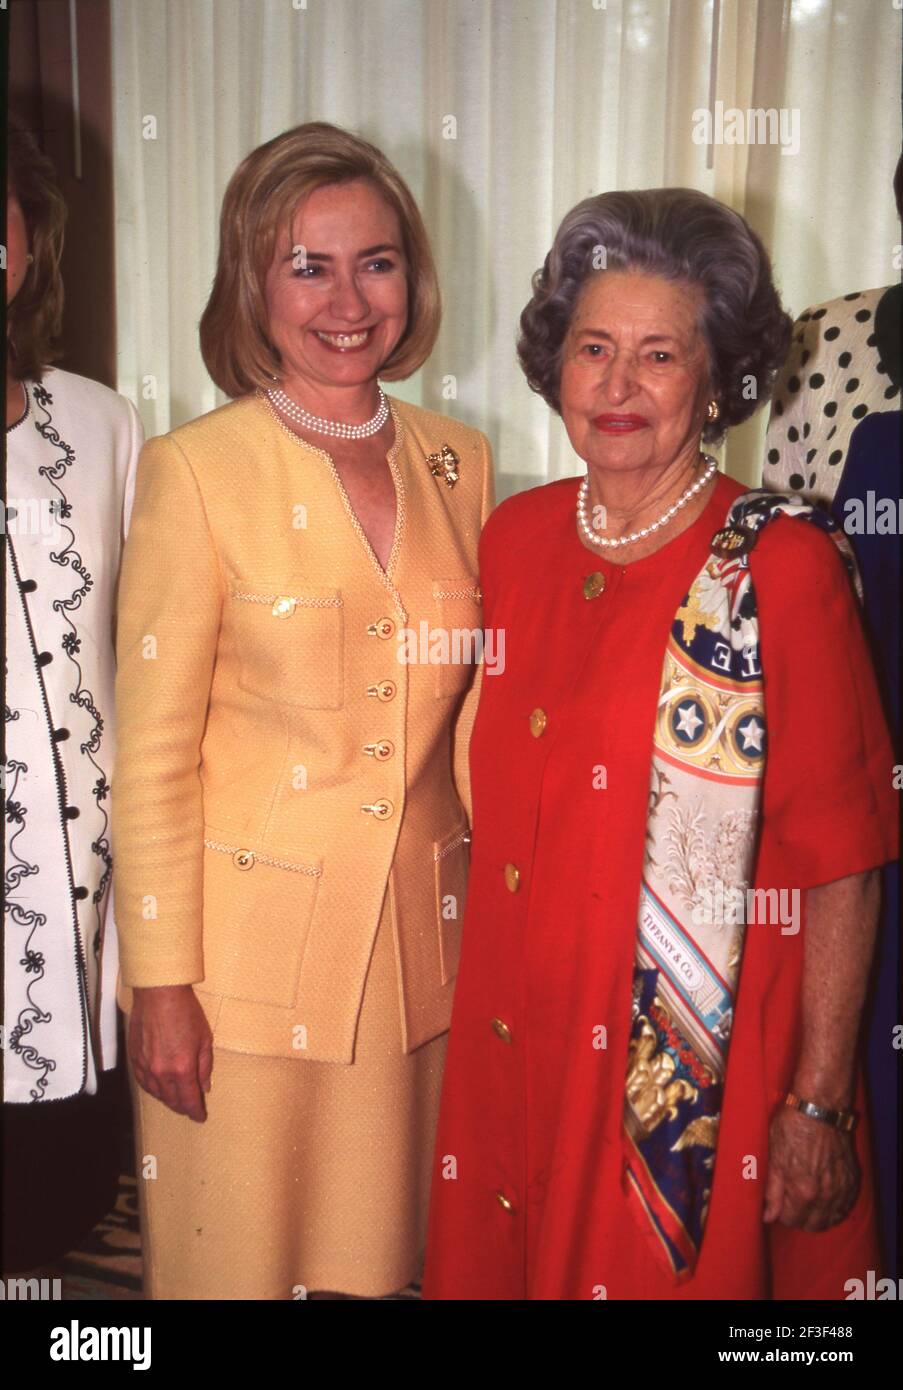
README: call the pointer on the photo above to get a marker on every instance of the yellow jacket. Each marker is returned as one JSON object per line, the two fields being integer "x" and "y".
{"x": 279, "y": 768}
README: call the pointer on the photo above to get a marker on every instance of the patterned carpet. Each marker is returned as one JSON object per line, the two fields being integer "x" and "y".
{"x": 108, "y": 1264}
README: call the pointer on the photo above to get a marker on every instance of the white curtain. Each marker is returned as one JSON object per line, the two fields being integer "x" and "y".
{"x": 500, "y": 114}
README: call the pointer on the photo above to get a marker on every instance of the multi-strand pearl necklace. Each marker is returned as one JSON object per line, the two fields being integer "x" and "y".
{"x": 335, "y": 428}
{"x": 609, "y": 542}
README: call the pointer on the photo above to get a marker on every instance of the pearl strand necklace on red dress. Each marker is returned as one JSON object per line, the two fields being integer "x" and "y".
{"x": 609, "y": 542}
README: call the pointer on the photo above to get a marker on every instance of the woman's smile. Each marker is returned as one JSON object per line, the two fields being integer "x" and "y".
{"x": 354, "y": 277}
{"x": 345, "y": 342}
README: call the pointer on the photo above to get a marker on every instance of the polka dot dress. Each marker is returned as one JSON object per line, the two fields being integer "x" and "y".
{"x": 832, "y": 379}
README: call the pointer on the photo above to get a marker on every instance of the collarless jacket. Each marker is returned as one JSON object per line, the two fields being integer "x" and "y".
{"x": 280, "y": 768}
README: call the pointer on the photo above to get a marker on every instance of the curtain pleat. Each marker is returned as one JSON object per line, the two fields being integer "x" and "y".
{"x": 501, "y": 114}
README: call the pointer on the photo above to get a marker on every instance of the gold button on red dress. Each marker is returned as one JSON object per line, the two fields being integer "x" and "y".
{"x": 541, "y": 1122}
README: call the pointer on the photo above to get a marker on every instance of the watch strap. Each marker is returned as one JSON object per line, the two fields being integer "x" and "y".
{"x": 844, "y": 1120}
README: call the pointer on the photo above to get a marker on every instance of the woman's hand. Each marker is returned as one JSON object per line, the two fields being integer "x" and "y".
{"x": 171, "y": 1048}
{"x": 813, "y": 1175}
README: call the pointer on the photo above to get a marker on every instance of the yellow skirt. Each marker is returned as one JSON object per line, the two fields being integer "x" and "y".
{"x": 305, "y": 1176}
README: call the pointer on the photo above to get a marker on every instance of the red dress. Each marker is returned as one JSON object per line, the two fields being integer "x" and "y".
{"x": 532, "y": 1105}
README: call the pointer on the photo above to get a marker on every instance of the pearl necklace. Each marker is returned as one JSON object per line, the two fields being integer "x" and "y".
{"x": 608, "y": 542}
{"x": 335, "y": 428}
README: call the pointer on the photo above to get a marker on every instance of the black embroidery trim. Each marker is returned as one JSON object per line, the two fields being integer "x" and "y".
{"x": 39, "y": 1015}
{"x": 71, "y": 646}
{"x": 32, "y": 960}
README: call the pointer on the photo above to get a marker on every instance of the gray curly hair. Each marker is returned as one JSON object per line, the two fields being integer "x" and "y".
{"x": 679, "y": 234}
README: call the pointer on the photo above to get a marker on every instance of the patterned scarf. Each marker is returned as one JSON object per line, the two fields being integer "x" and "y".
{"x": 709, "y": 749}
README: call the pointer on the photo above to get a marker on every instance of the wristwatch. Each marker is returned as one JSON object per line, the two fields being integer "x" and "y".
{"x": 844, "y": 1120}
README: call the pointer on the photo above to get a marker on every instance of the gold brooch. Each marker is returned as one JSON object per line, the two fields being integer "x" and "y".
{"x": 445, "y": 464}
{"x": 735, "y": 539}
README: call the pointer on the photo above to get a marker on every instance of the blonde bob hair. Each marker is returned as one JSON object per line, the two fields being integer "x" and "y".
{"x": 262, "y": 196}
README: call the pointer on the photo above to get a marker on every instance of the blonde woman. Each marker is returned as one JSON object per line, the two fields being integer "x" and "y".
{"x": 292, "y": 832}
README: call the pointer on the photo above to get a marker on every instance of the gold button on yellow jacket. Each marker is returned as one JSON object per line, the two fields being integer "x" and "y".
{"x": 279, "y": 768}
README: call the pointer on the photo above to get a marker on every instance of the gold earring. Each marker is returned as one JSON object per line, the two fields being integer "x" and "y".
{"x": 712, "y": 412}
{"x": 29, "y": 259}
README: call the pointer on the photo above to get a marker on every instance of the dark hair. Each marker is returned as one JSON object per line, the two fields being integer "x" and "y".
{"x": 34, "y": 318}
{"x": 682, "y": 235}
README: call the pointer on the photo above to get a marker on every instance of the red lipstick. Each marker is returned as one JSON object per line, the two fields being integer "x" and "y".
{"x": 611, "y": 423}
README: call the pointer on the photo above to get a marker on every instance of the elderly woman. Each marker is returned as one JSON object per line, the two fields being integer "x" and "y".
{"x": 292, "y": 832}
{"x": 638, "y": 1103}
{"x": 71, "y": 453}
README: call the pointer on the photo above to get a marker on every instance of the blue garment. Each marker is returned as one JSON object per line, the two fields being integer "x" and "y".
{"x": 873, "y": 465}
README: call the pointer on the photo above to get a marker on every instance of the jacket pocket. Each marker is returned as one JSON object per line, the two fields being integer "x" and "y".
{"x": 459, "y": 610}
{"x": 258, "y": 906}
{"x": 290, "y": 643}
{"x": 452, "y": 863}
